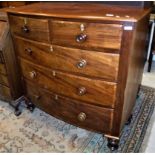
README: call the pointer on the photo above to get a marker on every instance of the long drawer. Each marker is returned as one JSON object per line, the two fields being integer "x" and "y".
{"x": 84, "y": 89}
{"x": 96, "y": 36}
{"x": 32, "y": 28}
{"x": 89, "y": 63}
{"x": 83, "y": 115}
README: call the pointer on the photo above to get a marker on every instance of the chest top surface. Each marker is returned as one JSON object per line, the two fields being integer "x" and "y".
{"x": 82, "y": 11}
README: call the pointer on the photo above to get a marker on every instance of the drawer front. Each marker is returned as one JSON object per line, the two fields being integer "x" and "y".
{"x": 2, "y": 69}
{"x": 5, "y": 92}
{"x": 89, "y": 63}
{"x": 4, "y": 80}
{"x": 86, "y": 35}
{"x": 79, "y": 114}
{"x": 35, "y": 29}
{"x": 84, "y": 89}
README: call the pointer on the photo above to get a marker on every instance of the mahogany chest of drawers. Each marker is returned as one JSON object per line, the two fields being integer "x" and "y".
{"x": 81, "y": 63}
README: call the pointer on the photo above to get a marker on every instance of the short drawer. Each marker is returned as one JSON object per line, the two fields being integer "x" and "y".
{"x": 85, "y": 62}
{"x": 32, "y": 28}
{"x": 85, "y": 89}
{"x": 5, "y": 92}
{"x": 4, "y": 80}
{"x": 82, "y": 115}
{"x": 96, "y": 36}
{"x": 2, "y": 69}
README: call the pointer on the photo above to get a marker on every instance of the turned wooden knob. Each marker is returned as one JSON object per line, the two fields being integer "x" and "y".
{"x": 32, "y": 74}
{"x": 81, "y": 38}
{"x": 29, "y": 51}
{"x": 81, "y": 116}
{"x": 81, "y": 91}
{"x": 25, "y": 29}
{"x": 82, "y": 63}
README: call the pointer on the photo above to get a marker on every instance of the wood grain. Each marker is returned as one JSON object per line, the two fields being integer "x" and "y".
{"x": 3, "y": 33}
{"x": 9, "y": 75}
{"x": 38, "y": 28}
{"x": 83, "y": 11}
{"x": 99, "y": 36}
{"x": 98, "y": 65}
{"x": 108, "y": 83}
{"x": 130, "y": 73}
{"x": 136, "y": 66}
{"x": 97, "y": 91}
{"x": 12, "y": 4}
{"x": 97, "y": 118}
{"x": 12, "y": 68}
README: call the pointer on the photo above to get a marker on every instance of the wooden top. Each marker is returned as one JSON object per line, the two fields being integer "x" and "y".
{"x": 81, "y": 10}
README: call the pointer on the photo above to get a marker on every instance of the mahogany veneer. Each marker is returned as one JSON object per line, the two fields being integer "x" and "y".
{"x": 82, "y": 63}
{"x": 70, "y": 110}
{"x": 98, "y": 63}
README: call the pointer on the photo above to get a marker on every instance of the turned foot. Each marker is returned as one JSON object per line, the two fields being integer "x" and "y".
{"x": 16, "y": 104}
{"x": 138, "y": 91}
{"x": 137, "y": 96}
{"x": 113, "y": 144}
{"x": 30, "y": 106}
{"x": 17, "y": 112}
{"x": 129, "y": 120}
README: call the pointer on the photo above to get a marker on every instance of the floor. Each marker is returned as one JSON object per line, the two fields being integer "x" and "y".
{"x": 149, "y": 80}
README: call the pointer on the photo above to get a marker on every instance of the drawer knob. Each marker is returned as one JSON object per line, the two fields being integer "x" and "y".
{"x": 25, "y": 29}
{"x": 81, "y": 91}
{"x": 81, "y": 116}
{"x": 33, "y": 74}
{"x": 82, "y": 63}
{"x": 81, "y": 38}
{"x": 29, "y": 51}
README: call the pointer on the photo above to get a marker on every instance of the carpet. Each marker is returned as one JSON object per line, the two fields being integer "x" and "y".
{"x": 40, "y": 132}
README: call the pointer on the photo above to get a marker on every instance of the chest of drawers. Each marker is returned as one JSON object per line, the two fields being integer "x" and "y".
{"x": 10, "y": 86}
{"x": 80, "y": 62}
